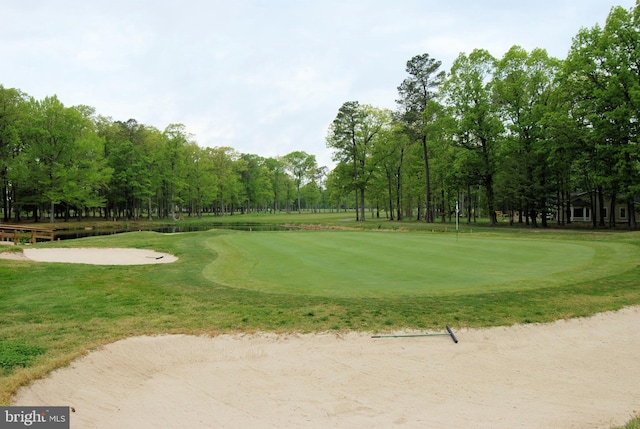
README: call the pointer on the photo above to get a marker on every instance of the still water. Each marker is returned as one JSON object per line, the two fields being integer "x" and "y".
{"x": 67, "y": 234}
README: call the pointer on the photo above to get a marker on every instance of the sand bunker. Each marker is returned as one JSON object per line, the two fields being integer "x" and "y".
{"x": 581, "y": 373}
{"x": 95, "y": 256}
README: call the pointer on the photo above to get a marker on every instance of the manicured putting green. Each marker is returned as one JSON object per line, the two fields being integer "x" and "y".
{"x": 345, "y": 263}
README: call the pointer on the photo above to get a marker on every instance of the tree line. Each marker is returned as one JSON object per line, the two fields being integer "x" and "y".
{"x": 518, "y": 135}
{"x": 63, "y": 162}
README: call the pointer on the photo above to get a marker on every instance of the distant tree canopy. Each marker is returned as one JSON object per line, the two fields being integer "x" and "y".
{"x": 59, "y": 162}
{"x": 517, "y": 135}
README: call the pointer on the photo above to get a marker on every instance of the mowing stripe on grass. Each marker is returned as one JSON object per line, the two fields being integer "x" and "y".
{"x": 344, "y": 263}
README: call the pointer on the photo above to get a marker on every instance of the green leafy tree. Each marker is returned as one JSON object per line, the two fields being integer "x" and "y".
{"x": 176, "y": 142}
{"x": 223, "y": 160}
{"x": 339, "y": 185}
{"x": 478, "y": 127}
{"x": 343, "y": 138}
{"x": 87, "y": 175}
{"x": 603, "y": 68}
{"x": 353, "y": 135}
{"x": 12, "y": 111}
{"x": 301, "y": 166}
{"x": 564, "y": 154}
{"x": 56, "y": 135}
{"x": 277, "y": 175}
{"x": 389, "y": 155}
{"x": 133, "y": 152}
{"x": 255, "y": 181}
{"x": 523, "y": 85}
{"x": 200, "y": 179}
{"x": 439, "y": 127}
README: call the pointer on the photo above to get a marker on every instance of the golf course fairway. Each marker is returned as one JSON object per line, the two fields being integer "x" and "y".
{"x": 361, "y": 264}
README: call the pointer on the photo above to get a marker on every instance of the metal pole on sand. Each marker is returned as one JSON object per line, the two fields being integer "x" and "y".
{"x": 449, "y": 334}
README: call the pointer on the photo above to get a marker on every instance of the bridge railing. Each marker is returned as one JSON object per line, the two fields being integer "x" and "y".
{"x": 13, "y": 232}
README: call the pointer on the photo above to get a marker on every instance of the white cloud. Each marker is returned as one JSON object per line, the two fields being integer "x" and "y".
{"x": 109, "y": 47}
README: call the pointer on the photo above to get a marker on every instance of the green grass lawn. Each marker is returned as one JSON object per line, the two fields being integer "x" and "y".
{"x": 377, "y": 264}
{"x": 306, "y": 281}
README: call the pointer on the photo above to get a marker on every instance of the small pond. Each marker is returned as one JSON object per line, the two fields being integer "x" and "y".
{"x": 67, "y": 234}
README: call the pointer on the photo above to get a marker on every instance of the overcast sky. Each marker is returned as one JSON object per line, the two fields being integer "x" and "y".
{"x": 263, "y": 76}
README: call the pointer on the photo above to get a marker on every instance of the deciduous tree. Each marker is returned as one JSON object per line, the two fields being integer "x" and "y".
{"x": 478, "y": 127}
{"x": 12, "y": 110}
{"x": 523, "y": 85}
{"x": 301, "y": 166}
{"x": 353, "y": 136}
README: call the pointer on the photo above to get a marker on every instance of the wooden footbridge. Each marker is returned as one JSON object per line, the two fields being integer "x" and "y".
{"x": 17, "y": 232}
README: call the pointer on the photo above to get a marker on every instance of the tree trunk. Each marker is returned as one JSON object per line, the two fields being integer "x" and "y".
{"x": 428, "y": 209}
{"x": 534, "y": 217}
{"x": 493, "y": 220}
{"x": 362, "y": 209}
{"x": 612, "y": 210}
{"x": 632, "y": 213}
{"x": 390, "y": 190}
{"x": 172, "y": 206}
{"x": 568, "y": 207}
{"x": 469, "y": 205}
{"x": 5, "y": 197}
{"x": 600, "y": 196}
{"x": 399, "y": 186}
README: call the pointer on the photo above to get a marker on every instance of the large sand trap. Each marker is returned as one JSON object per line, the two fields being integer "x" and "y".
{"x": 90, "y": 255}
{"x": 582, "y": 373}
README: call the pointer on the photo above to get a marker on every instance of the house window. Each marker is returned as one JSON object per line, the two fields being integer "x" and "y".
{"x": 623, "y": 212}
{"x": 578, "y": 212}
